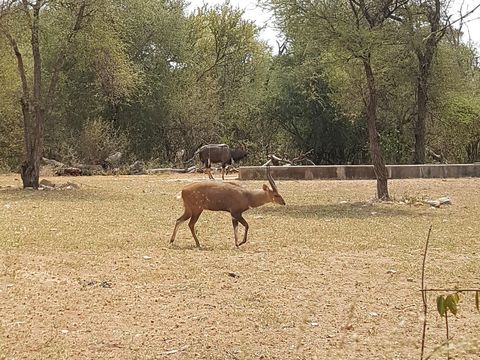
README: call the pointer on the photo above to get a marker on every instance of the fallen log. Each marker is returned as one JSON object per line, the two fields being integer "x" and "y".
{"x": 276, "y": 161}
{"x": 52, "y": 162}
{"x": 80, "y": 170}
{"x": 169, "y": 170}
{"x": 68, "y": 171}
{"x": 439, "y": 202}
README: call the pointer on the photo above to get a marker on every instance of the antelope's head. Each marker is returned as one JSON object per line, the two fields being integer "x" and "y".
{"x": 272, "y": 193}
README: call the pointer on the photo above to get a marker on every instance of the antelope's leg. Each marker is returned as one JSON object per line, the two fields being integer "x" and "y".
{"x": 208, "y": 165}
{"x": 245, "y": 224}
{"x": 191, "y": 225}
{"x": 186, "y": 215}
{"x": 235, "y": 230}
{"x": 223, "y": 172}
{"x": 209, "y": 172}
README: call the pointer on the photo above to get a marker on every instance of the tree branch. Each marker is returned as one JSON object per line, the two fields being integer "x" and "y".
{"x": 450, "y": 290}
{"x": 353, "y": 5}
{"x": 5, "y": 7}
{"x": 61, "y": 57}
{"x": 441, "y": 31}
{"x": 25, "y": 91}
{"x": 424, "y": 294}
{"x": 20, "y": 64}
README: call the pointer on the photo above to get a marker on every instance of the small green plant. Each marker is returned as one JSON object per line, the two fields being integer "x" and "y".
{"x": 448, "y": 303}
{"x": 445, "y": 303}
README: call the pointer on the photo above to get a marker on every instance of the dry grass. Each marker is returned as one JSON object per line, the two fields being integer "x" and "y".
{"x": 311, "y": 282}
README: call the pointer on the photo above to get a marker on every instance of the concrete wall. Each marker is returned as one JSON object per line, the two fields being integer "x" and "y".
{"x": 360, "y": 172}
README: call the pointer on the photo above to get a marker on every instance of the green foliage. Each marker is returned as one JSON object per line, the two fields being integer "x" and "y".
{"x": 441, "y": 305}
{"x": 212, "y": 90}
{"x": 450, "y": 303}
{"x": 461, "y": 113}
{"x": 120, "y": 72}
{"x": 99, "y": 139}
{"x": 96, "y": 140}
{"x": 301, "y": 103}
{"x": 455, "y": 120}
{"x": 11, "y": 137}
{"x": 168, "y": 81}
{"x": 325, "y": 35}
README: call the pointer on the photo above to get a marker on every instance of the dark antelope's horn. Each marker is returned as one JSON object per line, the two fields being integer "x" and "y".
{"x": 270, "y": 179}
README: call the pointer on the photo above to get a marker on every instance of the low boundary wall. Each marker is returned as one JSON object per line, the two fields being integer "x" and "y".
{"x": 360, "y": 172}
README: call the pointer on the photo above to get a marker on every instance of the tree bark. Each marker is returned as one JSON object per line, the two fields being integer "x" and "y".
{"x": 425, "y": 58}
{"x": 374, "y": 143}
{"x": 421, "y": 119}
{"x": 473, "y": 151}
{"x": 30, "y": 169}
{"x": 34, "y": 115}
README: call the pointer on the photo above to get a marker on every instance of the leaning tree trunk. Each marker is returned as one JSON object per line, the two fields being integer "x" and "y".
{"x": 374, "y": 144}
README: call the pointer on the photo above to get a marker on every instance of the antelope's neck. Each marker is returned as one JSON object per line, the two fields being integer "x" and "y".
{"x": 257, "y": 198}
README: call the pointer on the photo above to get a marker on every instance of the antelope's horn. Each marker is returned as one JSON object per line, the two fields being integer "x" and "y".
{"x": 270, "y": 179}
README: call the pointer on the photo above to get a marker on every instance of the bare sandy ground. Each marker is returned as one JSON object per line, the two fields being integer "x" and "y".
{"x": 89, "y": 274}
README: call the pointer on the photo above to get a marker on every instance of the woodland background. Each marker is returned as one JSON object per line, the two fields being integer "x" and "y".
{"x": 147, "y": 78}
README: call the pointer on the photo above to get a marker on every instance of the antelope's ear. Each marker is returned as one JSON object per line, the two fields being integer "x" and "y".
{"x": 265, "y": 187}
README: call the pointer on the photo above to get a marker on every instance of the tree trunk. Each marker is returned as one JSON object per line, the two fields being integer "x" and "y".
{"x": 425, "y": 58}
{"x": 473, "y": 151}
{"x": 374, "y": 144}
{"x": 420, "y": 123}
{"x": 34, "y": 115}
{"x": 424, "y": 65}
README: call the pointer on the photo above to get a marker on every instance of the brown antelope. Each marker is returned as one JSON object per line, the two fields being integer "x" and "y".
{"x": 224, "y": 196}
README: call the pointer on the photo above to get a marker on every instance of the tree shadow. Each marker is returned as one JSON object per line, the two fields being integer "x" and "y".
{"x": 77, "y": 195}
{"x": 348, "y": 211}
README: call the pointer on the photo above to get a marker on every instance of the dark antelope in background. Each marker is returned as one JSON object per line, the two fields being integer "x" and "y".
{"x": 224, "y": 196}
{"x": 219, "y": 153}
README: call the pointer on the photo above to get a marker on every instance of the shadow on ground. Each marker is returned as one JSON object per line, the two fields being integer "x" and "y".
{"x": 352, "y": 211}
